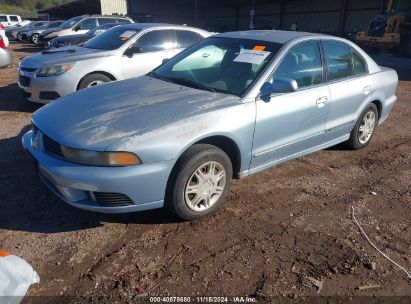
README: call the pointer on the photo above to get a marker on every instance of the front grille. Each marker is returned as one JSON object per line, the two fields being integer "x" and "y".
{"x": 108, "y": 199}
{"x": 30, "y": 70}
{"x": 52, "y": 147}
{"x": 24, "y": 81}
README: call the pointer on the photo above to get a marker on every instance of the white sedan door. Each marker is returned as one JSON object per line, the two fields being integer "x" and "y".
{"x": 154, "y": 47}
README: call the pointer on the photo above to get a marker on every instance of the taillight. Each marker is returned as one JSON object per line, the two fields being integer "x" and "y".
{"x": 1, "y": 27}
{"x": 2, "y": 44}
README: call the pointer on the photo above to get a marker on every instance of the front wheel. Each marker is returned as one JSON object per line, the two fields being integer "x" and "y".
{"x": 93, "y": 80}
{"x": 34, "y": 38}
{"x": 199, "y": 182}
{"x": 364, "y": 129}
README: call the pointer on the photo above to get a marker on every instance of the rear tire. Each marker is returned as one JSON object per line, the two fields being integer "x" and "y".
{"x": 93, "y": 80}
{"x": 199, "y": 182}
{"x": 364, "y": 129}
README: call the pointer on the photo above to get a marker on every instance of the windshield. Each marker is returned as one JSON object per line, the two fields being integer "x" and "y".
{"x": 112, "y": 39}
{"x": 225, "y": 65}
{"x": 101, "y": 29}
{"x": 69, "y": 23}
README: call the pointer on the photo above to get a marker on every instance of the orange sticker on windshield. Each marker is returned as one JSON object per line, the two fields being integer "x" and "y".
{"x": 259, "y": 48}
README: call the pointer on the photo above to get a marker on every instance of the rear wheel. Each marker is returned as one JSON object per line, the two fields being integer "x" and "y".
{"x": 364, "y": 129}
{"x": 199, "y": 182}
{"x": 93, "y": 80}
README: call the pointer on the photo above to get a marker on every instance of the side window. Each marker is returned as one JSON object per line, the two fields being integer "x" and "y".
{"x": 303, "y": 64}
{"x": 87, "y": 24}
{"x": 359, "y": 63}
{"x": 123, "y": 21}
{"x": 339, "y": 60}
{"x": 106, "y": 20}
{"x": 14, "y": 19}
{"x": 156, "y": 41}
{"x": 187, "y": 38}
{"x": 3, "y": 19}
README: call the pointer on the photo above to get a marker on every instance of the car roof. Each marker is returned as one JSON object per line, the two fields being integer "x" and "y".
{"x": 270, "y": 35}
{"x": 143, "y": 26}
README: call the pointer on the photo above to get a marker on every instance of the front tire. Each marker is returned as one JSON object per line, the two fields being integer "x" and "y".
{"x": 93, "y": 80}
{"x": 199, "y": 182}
{"x": 364, "y": 129}
{"x": 34, "y": 39}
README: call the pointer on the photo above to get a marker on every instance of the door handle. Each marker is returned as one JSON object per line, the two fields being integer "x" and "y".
{"x": 321, "y": 101}
{"x": 367, "y": 90}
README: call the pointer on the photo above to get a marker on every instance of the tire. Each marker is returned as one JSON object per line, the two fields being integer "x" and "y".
{"x": 93, "y": 80}
{"x": 358, "y": 139}
{"x": 34, "y": 38}
{"x": 183, "y": 200}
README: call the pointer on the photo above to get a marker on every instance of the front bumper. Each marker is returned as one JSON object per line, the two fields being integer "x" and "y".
{"x": 39, "y": 89}
{"x": 144, "y": 184}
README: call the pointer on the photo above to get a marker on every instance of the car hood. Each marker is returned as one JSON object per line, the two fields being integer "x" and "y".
{"x": 62, "y": 55}
{"x": 99, "y": 117}
{"x": 82, "y": 37}
{"x": 52, "y": 30}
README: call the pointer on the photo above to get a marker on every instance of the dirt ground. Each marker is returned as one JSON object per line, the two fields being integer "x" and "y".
{"x": 280, "y": 235}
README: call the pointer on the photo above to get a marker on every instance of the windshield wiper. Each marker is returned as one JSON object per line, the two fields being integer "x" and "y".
{"x": 190, "y": 83}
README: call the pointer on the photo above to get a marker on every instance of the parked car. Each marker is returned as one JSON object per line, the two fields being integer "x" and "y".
{"x": 22, "y": 34}
{"x": 122, "y": 52}
{"x": 5, "y": 56}
{"x": 79, "y": 39}
{"x": 2, "y": 31}
{"x": 32, "y": 35}
{"x": 80, "y": 25}
{"x": 13, "y": 34}
{"x": 19, "y": 25}
{"x": 230, "y": 106}
{"x": 9, "y": 20}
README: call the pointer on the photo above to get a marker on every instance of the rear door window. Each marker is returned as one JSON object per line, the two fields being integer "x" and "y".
{"x": 156, "y": 41}
{"x": 14, "y": 19}
{"x": 123, "y": 21}
{"x": 186, "y": 38}
{"x": 339, "y": 60}
{"x": 106, "y": 20}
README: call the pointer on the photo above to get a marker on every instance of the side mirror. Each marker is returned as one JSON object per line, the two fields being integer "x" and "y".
{"x": 279, "y": 85}
{"x": 133, "y": 50}
{"x": 76, "y": 29}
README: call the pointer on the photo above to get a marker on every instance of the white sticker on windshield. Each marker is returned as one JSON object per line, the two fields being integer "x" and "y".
{"x": 252, "y": 56}
{"x": 126, "y": 35}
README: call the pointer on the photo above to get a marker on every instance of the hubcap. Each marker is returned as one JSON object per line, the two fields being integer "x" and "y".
{"x": 205, "y": 186}
{"x": 367, "y": 127}
{"x": 95, "y": 83}
{"x": 35, "y": 39}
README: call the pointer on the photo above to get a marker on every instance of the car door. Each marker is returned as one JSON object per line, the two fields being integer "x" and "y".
{"x": 350, "y": 86}
{"x": 85, "y": 25}
{"x": 292, "y": 124}
{"x": 155, "y": 46}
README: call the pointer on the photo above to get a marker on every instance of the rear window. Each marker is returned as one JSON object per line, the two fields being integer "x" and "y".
{"x": 112, "y": 39}
{"x": 360, "y": 66}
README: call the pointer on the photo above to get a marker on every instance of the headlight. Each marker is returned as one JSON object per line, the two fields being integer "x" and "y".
{"x": 51, "y": 35}
{"x": 55, "y": 69}
{"x": 111, "y": 159}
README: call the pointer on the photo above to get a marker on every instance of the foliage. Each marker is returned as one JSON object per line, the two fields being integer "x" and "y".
{"x": 27, "y": 7}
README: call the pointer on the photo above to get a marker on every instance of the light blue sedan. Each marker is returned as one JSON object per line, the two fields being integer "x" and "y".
{"x": 228, "y": 107}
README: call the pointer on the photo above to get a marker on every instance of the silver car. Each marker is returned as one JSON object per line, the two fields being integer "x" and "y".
{"x": 228, "y": 107}
{"x": 32, "y": 35}
{"x": 122, "y": 52}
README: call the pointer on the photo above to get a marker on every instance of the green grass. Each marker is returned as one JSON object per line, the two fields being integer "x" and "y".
{"x": 29, "y": 8}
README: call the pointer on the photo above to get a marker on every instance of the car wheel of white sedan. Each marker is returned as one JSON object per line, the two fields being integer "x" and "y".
{"x": 199, "y": 182}
{"x": 364, "y": 128}
{"x": 93, "y": 80}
